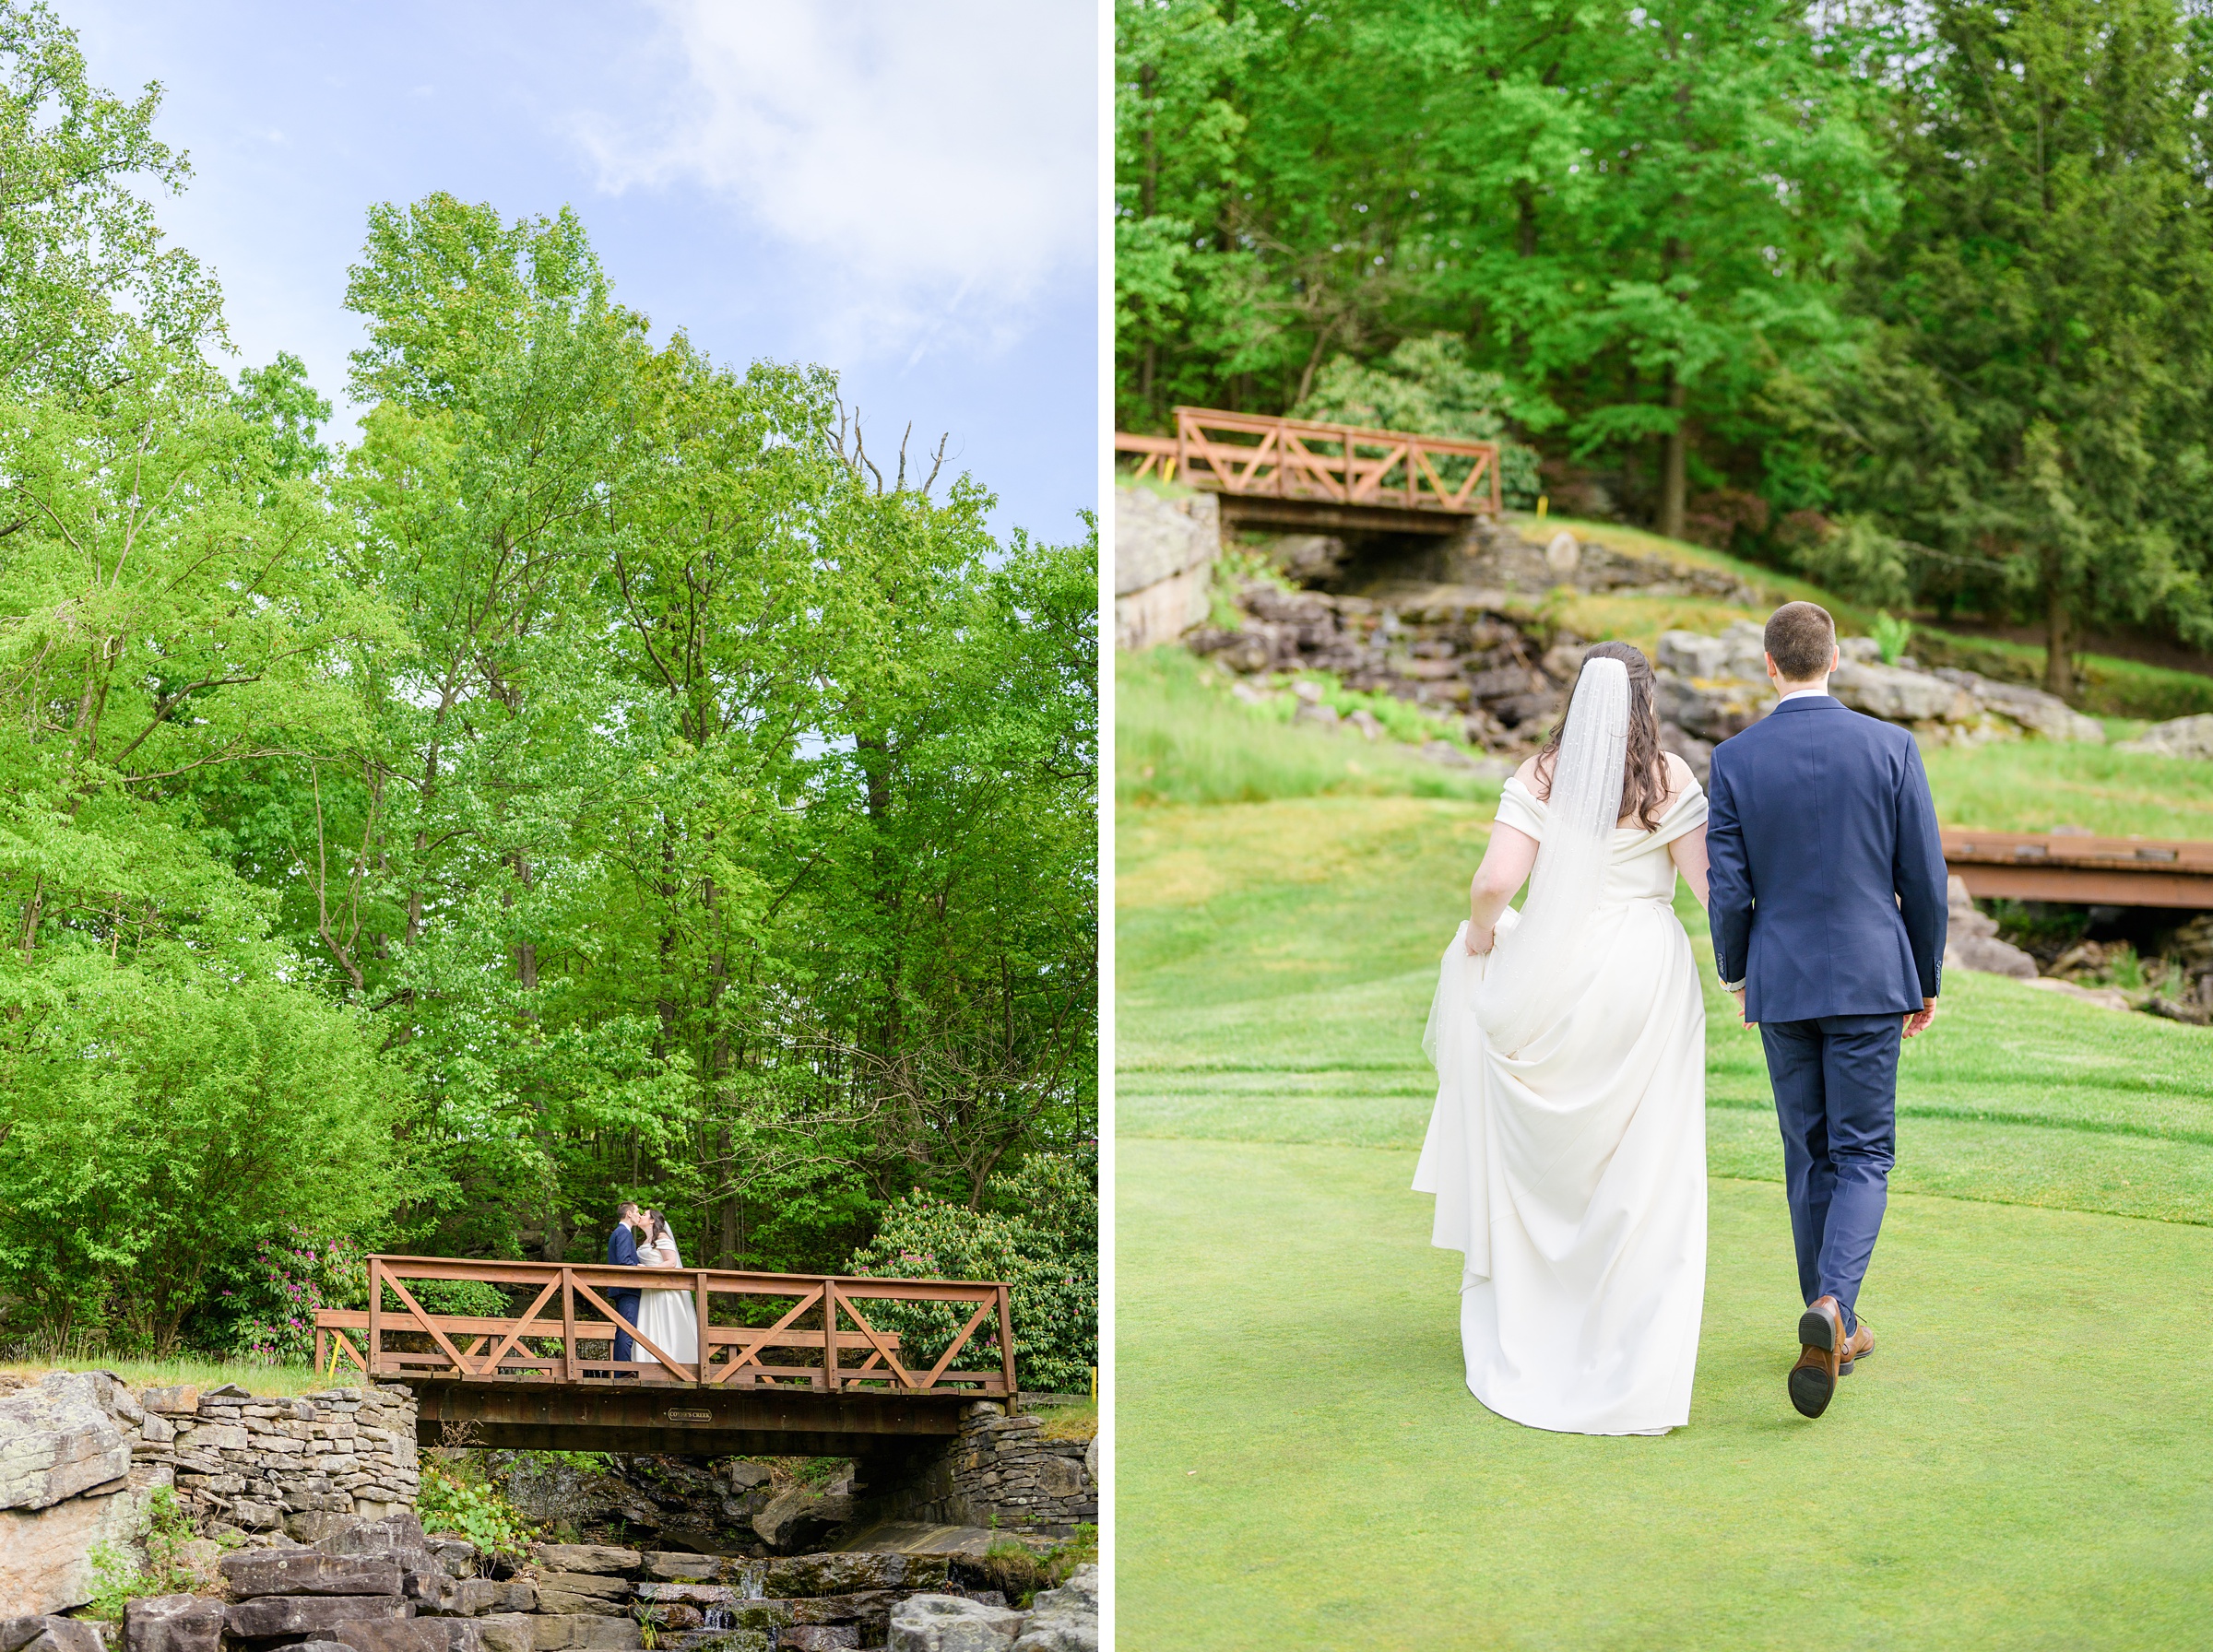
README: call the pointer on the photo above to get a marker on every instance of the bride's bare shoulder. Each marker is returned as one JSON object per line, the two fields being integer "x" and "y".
{"x": 1535, "y": 773}
{"x": 1675, "y": 778}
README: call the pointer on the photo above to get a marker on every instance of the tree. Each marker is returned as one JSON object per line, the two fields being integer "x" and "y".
{"x": 1629, "y": 213}
{"x": 2030, "y": 423}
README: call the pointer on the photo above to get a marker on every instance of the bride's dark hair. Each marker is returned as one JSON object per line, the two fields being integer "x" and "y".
{"x": 1643, "y": 782}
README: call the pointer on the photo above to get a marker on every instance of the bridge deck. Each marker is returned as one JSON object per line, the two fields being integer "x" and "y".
{"x": 795, "y": 1358}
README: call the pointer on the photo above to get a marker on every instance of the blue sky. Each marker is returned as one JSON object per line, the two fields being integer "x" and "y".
{"x": 905, "y": 193}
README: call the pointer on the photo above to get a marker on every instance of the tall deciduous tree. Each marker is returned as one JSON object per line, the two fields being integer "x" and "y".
{"x": 2032, "y": 419}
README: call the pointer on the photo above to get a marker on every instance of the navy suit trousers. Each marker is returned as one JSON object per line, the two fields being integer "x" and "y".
{"x": 625, "y": 1302}
{"x": 1836, "y": 1090}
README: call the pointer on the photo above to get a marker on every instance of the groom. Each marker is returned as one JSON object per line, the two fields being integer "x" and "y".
{"x": 1827, "y": 908}
{"x": 622, "y": 1252}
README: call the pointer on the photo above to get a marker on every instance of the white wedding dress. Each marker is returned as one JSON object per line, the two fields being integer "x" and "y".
{"x": 1571, "y": 1169}
{"x": 669, "y": 1318}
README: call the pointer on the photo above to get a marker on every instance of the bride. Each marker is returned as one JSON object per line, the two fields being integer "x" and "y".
{"x": 1567, "y": 1147}
{"x": 669, "y": 1318}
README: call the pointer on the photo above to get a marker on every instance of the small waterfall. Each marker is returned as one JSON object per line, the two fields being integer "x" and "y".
{"x": 718, "y": 1617}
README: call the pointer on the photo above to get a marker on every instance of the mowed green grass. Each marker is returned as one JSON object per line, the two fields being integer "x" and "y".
{"x": 2027, "y": 1461}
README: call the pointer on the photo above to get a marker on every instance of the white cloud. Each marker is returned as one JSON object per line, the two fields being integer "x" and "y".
{"x": 936, "y": 160}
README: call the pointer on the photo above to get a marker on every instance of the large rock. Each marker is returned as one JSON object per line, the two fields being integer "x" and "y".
{"x": 561, "y": 1603}
{"x": 45, "y": 1554}
{"x": 1711, "y": 709}
{"x": 588, "y": 1634}
{"x": 306, "y": 1572}
{"x": 465, "y": 1597}
{"x": 1972, "y": 940}
{"x": 275, "y": 1617}
{"x": 1738, "y": 655}
{"x": 508, "y": 1632}
{"x": 42, "y": 1632}
{"x": 411, "y": 1635}
{"x": 819, "y": 1637}
{"x": 1897, "y": 695}
{"x": 2185, "y": 736}
{"x": 597, "y": 1559}
{"x": 1164, "y": 555}
{"x": 2041, "y": 713}
{"x": 682, "y": 1568}
{"x": 949, "y": 1623}
{"x": 584, "y": 1583}
{"x": 841, "y": 1574}
{"x": 1066, "y": 1619}
{"x": 395, "y": 1537}
{"x": 798, "y": 1519}
{"x": 59, "y": 1439}
{"x": 690, "y": 1593}
{"x": 173, "y": 1623}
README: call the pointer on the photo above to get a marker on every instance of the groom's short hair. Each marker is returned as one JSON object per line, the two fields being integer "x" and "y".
{"x": 625, "y": 1207}
{"x": 1801, "y": 640}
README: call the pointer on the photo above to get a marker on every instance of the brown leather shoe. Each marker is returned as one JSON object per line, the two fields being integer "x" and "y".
{"x": 1861, "y": 1345}
{"x": 1820, "y": 1341}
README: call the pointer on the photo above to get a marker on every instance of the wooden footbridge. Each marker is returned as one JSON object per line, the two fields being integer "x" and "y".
{"x": 1291, "y": 473}
{"x": 786, "y": 1364}
{"x": 2080, "y": 869}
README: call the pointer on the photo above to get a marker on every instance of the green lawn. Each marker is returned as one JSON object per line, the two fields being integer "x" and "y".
{"x": 2027, "y": 1462}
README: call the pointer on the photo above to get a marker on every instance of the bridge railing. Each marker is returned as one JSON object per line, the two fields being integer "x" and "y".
{"x": 1258, "y": 455}
{"x": 819, "y": 1337}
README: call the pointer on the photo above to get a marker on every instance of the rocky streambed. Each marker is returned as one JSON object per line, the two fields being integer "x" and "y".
{"x": 1496, "y": 674}
{"x": 385, "y": 1586}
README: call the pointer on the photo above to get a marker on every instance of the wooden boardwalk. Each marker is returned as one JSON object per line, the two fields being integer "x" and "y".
{"x": 786, "y": 1362}
{"x": 1296, "y": 473}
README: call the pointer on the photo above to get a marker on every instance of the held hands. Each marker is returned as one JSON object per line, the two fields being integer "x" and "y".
{"x": 1743, "y": 1014}
{"x": 1919, "y": 1021}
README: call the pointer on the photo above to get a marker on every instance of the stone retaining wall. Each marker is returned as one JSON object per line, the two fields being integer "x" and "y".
{"x": 265, "y": 1463}
{"x": 1000, "y": 1472}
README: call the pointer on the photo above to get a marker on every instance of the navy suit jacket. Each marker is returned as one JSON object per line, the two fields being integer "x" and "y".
{"x": 1827, "y": 892}
{"x": 622, "y": 1246}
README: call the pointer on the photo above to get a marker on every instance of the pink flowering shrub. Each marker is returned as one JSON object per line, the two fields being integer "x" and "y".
{"x": 291, "y": 1276}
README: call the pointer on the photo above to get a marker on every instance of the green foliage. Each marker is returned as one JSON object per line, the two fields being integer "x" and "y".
{"x": 1043, "y": 1242}
{"x": 1891, "y": 635}
{"x": 1628, "y": 219}
{"x": 1910, "y": 300}
{"x": 472, "y": 1298}
{"x": 151, "y": 1563}
{"x": 1020, "y": 1572}
{"x": 599, "y": 780}
{"x": 455, "y": 1495}
{"x": 1428, "y": 386}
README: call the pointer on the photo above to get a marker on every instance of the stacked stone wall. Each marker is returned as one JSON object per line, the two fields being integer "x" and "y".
{"x": 1002, "y": 1472}
{"x": 265, "y": 1463}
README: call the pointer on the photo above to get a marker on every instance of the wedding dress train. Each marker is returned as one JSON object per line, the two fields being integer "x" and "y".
{"x": 1570, "y": 1168}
